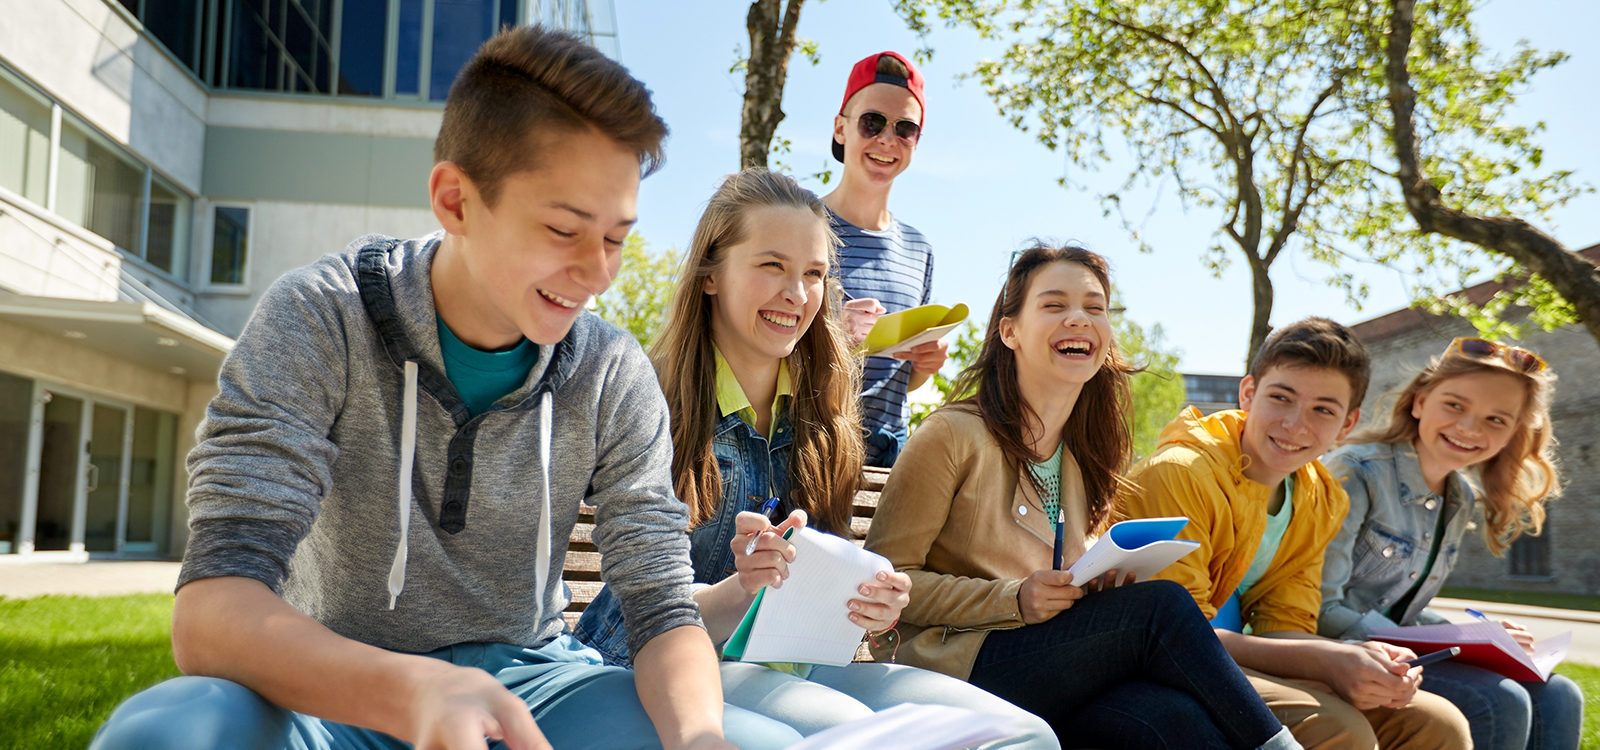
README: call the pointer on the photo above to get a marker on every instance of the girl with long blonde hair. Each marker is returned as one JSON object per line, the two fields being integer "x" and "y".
{"x": 762, "y": 391}
{"x": 1472, "y": 428}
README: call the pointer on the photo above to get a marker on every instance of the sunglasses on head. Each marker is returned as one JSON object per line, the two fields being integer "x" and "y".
{"x": 870, "y": 124}
{"x": 1516, "y": 356}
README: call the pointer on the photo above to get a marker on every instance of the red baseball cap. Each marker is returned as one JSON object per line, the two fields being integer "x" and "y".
{"x": 865, "y": 73}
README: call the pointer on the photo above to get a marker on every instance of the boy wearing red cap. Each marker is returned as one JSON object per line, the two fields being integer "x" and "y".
{"x": 885, "y": 265}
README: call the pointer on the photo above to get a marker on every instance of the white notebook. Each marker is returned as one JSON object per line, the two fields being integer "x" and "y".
{"x": 807, "y": 621}
{"x": 1143, "y": 547}
{"x": 912, "y": 726}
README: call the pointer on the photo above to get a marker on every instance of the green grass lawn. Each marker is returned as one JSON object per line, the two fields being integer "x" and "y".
{"x": 66, "y": 662}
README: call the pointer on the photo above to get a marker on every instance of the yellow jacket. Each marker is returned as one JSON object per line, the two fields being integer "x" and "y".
{"x": 1197, "y": 472}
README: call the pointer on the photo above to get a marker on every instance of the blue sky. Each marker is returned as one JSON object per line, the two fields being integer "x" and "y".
{"x": 978, "y": 187}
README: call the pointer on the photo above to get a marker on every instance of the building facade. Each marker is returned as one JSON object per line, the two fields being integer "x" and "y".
{"x": 162, "y": 162}
{"x": 1564, "y": 558}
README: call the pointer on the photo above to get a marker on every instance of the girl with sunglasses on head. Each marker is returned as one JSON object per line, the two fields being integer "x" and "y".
{"x": 989, "y": 486}
{"x": 885, "y": 265}
{"x": 1472, "y": 427}
{"x": 761, "y": 390}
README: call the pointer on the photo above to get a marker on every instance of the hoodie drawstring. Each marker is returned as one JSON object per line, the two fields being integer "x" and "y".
{"x": 541, "y": 555}
{"x": 408, "y": 452}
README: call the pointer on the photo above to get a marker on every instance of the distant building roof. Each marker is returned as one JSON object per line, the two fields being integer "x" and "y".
{"x": 1408, "y": 319}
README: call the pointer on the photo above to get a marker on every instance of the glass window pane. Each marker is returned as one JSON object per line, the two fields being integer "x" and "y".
{"x": 361, "y": 45}
{"x": 407, "y": 76}
{"x": 24, "y": 141}
{"x": 105, "y": 479}
{"x": 58, "y": 472}
{"x": 16, "y": 402}
{"x": 98, "y": 187}
{"x": 167, "y": 244}
{"x": 150, "y": 481}
{"x": 459, "y": 28}
{"x": 174, "y": 23}
{"x": 230, "y": 236}
{"x": 280, "y": 45}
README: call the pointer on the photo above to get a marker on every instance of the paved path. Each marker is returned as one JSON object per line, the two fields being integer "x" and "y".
{"x": 98, "y": 578}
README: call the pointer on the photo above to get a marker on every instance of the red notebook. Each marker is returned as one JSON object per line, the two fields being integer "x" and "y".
{"x": 1486, "y": 645}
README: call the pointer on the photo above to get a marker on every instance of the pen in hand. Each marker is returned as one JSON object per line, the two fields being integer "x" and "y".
{"x": 766, "y": 511}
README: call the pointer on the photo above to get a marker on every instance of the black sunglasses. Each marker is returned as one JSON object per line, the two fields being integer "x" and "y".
{"x": 870, "y": 124}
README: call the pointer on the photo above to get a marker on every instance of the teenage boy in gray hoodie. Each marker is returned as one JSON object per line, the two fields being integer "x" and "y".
{"x": 385, "y": 485}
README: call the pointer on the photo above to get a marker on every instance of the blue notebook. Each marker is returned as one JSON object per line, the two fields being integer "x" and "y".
{"x": 1144, "y": 547}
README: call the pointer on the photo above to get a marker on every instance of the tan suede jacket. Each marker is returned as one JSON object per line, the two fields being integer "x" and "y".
{"x": 967, "y": 528}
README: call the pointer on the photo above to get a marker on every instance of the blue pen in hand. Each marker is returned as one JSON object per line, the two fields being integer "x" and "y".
{"x": 766, "y": 510}
{"x": 1061, "y": 523}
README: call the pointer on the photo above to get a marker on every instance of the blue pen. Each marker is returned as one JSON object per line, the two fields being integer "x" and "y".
{"x": 1061, "y": 523}
{"x": 1477, "y": 614}
{"x": 1436, "y": 656}
{"x": 766, "y": 510}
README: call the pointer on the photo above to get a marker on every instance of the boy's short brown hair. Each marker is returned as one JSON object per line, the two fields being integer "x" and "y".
{"x": 1317, "y": 342}
{"x": 528, "y": 83}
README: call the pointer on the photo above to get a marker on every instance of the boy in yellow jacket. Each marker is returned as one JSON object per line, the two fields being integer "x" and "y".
{"x": 1263, "y": 509}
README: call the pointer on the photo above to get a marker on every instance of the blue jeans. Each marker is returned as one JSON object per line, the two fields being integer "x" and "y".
{"x": 1134, "y": 667}
{"x": 570, "y": 694}
{"x": 834, "y": 695}
{"x": 1510, "y": 715}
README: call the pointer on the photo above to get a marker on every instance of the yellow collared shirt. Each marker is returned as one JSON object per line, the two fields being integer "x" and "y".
{"x": 732, "y": 399}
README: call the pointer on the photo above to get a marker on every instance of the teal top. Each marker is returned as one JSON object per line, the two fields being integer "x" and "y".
{"x": 481, "y": 377}
{"x": 1277, "y": 523}
{"x": 1048, "y": 474}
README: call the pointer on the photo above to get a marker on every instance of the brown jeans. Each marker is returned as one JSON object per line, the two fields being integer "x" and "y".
{"x": 1321, "y": 720}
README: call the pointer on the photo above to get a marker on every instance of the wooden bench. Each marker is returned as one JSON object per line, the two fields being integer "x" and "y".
{"x": 582, "y": 571}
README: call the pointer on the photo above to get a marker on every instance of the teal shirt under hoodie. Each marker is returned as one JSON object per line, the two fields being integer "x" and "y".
{"x": 300, "y": 464}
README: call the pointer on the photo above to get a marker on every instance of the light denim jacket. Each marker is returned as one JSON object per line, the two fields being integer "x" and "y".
{"x": 752, "y": 471}
{"x": 1383, "y": 545}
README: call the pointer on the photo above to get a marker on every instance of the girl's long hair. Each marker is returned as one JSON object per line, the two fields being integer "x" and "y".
{"x": 1516, "y": 481}
{"x": 826, "y": 455}
{"x": 1098, "y": 433}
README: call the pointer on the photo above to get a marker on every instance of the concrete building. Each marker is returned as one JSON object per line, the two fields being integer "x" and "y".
{"x": 1211, "y": 393}
{"x": 1564, "y": 558}
{"x": 161, "y": 163}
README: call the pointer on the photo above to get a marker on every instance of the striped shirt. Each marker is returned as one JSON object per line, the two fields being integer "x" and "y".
{"x": 895, "y": 267}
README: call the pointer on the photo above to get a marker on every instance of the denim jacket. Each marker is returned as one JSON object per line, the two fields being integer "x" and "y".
{"x": 752, "y": 471}
{"x": 1383, "y": 545}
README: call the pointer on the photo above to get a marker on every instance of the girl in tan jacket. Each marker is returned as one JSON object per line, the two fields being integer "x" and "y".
{"x": 970, "y": 514}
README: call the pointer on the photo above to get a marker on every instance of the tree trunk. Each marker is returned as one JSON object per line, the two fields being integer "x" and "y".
{"x": 772, "y": 39}
{"x": 1571, "y": 275}
{"x": 1261, "y": 291}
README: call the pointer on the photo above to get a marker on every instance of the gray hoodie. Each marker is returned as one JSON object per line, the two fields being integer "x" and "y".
{"x": 306, "y": 456}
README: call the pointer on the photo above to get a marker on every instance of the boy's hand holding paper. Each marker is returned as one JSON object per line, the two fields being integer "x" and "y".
{"x": 906, "y": 330}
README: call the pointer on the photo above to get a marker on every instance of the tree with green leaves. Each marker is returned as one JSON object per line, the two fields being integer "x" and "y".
{"x": 1268, "y": 113}
{"x": 1559, "y": 285}
{"x": 774, "y": 35}
{"x": 1158, "y": 391}
{"x": 640, "y": 295}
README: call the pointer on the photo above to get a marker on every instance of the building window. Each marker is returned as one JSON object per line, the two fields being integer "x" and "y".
{"x": 16, "y": 413}
{"x": 401, "y": 49}
{"x": 98, "y": 187}
{"x": 230, "y": 244}
{"x": 1530, "y": 556}
{"x": 24, "y": 142}
{"x": 167, "y": 236}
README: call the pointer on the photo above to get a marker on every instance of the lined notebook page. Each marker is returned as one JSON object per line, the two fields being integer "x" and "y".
{"x": 808, "y": 620}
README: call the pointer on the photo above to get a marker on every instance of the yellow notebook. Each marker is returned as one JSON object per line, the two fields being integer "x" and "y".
{"x": 901, "y": 331}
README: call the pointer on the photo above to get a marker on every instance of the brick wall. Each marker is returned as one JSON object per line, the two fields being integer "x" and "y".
{"x": 1402, "y": 342}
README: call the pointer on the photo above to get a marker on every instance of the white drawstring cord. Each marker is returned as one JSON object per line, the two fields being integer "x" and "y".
{"x": 408, "y": 451}
{"x": 541, "y": 555}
